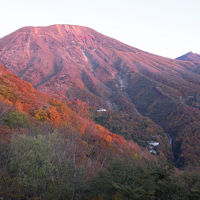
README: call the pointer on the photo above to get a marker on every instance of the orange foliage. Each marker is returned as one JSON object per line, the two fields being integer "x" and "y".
{"x": 26, "y": 99}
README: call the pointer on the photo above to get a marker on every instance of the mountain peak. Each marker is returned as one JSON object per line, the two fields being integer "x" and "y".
{"x": 190, "y": 56}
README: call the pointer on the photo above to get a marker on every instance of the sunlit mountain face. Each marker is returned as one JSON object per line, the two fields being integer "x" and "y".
{"x": 133, "y": 93}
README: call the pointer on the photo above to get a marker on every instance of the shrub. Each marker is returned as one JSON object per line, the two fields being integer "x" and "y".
{"x": 17, "y": 120}
{"x": 39, "y": 163}
{"x": 41, "y": 115}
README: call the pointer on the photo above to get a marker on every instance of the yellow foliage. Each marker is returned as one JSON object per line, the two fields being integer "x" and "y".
{"x": 108, "y": 138}
{"x": 41, "y": 115}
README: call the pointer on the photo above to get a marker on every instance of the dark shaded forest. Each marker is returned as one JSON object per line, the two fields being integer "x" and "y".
{"x": 41, "y": 161}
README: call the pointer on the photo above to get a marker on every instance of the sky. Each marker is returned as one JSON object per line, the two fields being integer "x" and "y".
{"x": 168, "y": 28}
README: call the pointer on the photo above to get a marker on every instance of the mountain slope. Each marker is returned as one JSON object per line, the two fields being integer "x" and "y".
{"x": 21, "y": 95}
{"x": 148, "y": 92}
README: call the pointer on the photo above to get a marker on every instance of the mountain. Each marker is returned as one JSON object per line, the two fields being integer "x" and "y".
{"x": 190, "y": 56}
{"x": 62, "y": 59}
{"x": 145, "y": 97}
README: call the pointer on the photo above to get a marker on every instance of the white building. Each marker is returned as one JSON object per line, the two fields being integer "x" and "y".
{"x": 154, "y": 144}
{"x": 101, "y": 110}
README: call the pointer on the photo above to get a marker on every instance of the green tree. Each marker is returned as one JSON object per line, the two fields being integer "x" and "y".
{"x": 5, "y": 109}
{"x": 191, "y": 184}
{"x": 123, "y": 181}
{"x": 38, "y": 163}
{"x": 17, "y": 119}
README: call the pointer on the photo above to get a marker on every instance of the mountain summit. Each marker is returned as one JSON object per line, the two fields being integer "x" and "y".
{"x": 56, "y": 58}
{"x": 190, "y": 56}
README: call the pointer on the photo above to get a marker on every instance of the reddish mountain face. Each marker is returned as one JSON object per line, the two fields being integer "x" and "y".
{"x": 190, "y": 56}
{"x": 57, "y": 59}
{"x": 144, "y": 93}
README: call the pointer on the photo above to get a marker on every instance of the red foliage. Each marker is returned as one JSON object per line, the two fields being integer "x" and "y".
{"x": 39, "y": 105}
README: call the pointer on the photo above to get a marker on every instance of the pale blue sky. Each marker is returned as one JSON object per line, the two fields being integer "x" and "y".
{"x": 165, "y": 27}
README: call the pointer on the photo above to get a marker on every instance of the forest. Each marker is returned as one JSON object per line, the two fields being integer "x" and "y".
{"x": 39, "y": 160}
